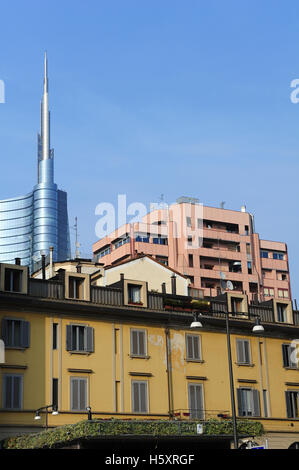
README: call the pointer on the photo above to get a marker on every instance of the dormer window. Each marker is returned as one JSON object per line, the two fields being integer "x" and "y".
{"x": 134, "y": 294}
{"x": 76, "y": 286}
{"x": 13, "y": 280}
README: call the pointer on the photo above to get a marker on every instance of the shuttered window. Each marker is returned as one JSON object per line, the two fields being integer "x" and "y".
{"x": 139, "y": 396}
{"x": 243, "y": 351}
{"x": 79, "y": 338}
{"x": 289, "y": 356}
{"x": 138, "y": 343}
{"x": 193, "y": 347}
{"x": 195, "y": 395}
{"x": 248, "y": 402}
{"x": 12, "y": 391}
{"x": 78, "y": 394}
{"x": 15, "y": 333}
{"x": 292, "y": 403}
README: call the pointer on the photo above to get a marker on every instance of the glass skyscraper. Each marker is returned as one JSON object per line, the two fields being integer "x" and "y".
{"x": 31, "y": 224}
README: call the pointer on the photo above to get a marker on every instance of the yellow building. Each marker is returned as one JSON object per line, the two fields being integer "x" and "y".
{"x": 129, "y": 352}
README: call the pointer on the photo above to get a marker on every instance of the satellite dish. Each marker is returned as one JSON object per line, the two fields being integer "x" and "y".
{"x": 222, "y": 275}
{"x": 222, "y": 284}
{"x": 230, "y": 285}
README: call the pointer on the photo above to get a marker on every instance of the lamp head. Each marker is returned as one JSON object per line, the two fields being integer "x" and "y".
{"x": 196, "y": 323}
{"x": 258, "y": 328}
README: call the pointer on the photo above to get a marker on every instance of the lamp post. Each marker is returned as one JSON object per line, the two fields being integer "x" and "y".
{"x": 256, "y": 329}
{"x": 89, "y": 413}
{"x": 46, "y": 408}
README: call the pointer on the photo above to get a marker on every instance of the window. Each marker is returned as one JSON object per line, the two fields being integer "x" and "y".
{"x": 195, "y": 395}
{"x": 140, "y": 238}
{"x": 289, "y": 356}
{"x": 121, "y": 242}
{"x": 162, "y": 259}
{"x": 190, "y": 259}
{"x": 248, "y": 402}
{"x": 104, "y": 252}
{"x": 282, "y": 312}
{"x": 268, "y": 292}
{"x": 13, "y": 280}
{"x": 15, "y": 333}
{"x": 283, "y": 293}
{"x": 189, "y": 240}
{"x": 249, "y": 267}
{"x": 79, "y": 338}
{"x": 78, "y": 394}
{"x": 55, "y": 392}
{"x": 236, "y": 304}
{"x": 264, "y": 254}
{"x": 160, "y": 241}
{"x": 76, "y": 286}
{"x": 134, "y": 294}
{"x": 246, "y": 230}
{"x": 138, "y": 343}
{"x": 265, "y": 400}
{"x": 55, "y": 327}
{"x": 139, "y": 396}
{"x": 188, "y": 221}
{"x": 278, "y": 256}
{"x": 12, "y": 391}
{"x": 193, "y": 347}
{"x": 243, "y": 351}
{"x": 292, "y": 402}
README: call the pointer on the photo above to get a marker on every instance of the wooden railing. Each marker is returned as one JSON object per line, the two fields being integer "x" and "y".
{"x": 106, "y": 295}
{"x": 45, "y": 289}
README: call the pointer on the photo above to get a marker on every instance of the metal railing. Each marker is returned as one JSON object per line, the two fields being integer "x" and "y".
{"x": 45, "y": 289}
{"x": 106, "y": 295}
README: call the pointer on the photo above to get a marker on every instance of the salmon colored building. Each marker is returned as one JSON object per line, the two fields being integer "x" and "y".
{"x": 217, "y": 249}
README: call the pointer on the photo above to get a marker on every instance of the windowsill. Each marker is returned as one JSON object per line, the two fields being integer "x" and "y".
{"x": 135, "y": 356}
{"x": 84, "y": 353}
{"x": 138, "y": 304}
{"x": 194, "y": 360}
{"x": 291, "y": 368}
{"x": 18, "y": 348}
{"x": 244, "y": 364}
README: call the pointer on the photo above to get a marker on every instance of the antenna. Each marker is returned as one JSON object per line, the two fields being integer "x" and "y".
{"x": 222, "y": 204}
{"x": 77, "y": 244}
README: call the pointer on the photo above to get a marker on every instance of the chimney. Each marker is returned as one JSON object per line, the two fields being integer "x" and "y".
{"x": 18, "y": 261}
{"x": 122, "y": 276}
{"x": 44, "y": 267}
{"x": 78, "y": 268}
{"x": 51, "y": 261}
{"x": 163, "y": 288}
{"x": 173, "y": 284}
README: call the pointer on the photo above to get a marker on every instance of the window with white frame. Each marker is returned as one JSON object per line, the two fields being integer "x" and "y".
{"x": 138, "y": 343}
{"x": 134, "y": 294}
{"x": 282, "y": 312}
{"x": 196, "y": 405}
{"x": 12, "y": 391}
{"x": 243, "y": 351}
{"x": 78, "y": 394}
{"x": 139, "y": 396}
{"x": 193, "y": 347}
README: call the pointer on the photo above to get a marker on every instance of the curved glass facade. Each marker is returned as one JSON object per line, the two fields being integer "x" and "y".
{"x": 31, "y": 224}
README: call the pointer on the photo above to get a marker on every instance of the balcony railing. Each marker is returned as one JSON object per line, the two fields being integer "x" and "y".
{"x": 45, "y": 289}
{"x": 106, "y": 295}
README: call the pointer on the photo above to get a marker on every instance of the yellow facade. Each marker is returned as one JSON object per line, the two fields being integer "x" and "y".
{"x": 162, "y": 365}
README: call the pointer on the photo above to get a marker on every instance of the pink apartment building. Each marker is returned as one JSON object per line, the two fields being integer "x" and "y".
{"x": 217, "y": 249}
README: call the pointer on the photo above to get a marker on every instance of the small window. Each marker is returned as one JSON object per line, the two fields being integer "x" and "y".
{"x": 13, "y": 280}
{"x": 134, "y": 294}
{"x": 236, "y": 304}
{"x": 78, "y": 394}
{"x": 189, "y": 240}
{"x": 55, "y": 392}
{"x": 289, "y": 356}
{"x": 12, "y": 391}
{"x": 15, "y": 333}
{"x": 79, "y": 338}
{"x": 188, "y": 221}
{"x": 76, "y": 287}
{"x": 54, "y": 332}
{"x": 193, "y": 347}
{"x": 248, "y": 402}
{"x": 196, "y": 406}
{"x": 139, "y": 396}
{"x": 249, "y": 267}
{"x": 264, "y": 254}
{"x": 190, "y": 259}
{"x": 292, "y": 402}
{"x": 243, "y": 351}
{"x": 138, "y": 343}
{"x": 278, "y": 256}
{"x": 282, "y": 312}
{"x": 162, "y": 260}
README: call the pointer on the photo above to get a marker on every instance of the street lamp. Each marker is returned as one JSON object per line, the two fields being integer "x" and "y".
{"x": 256, "y": 329}
{"x": 89, "y": 413}
{"x": 46, "y": 408}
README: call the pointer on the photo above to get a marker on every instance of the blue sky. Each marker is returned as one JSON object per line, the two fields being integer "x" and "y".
{"x": 157, "y": 97}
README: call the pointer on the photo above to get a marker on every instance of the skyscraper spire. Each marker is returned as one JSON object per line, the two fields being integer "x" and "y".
{"x": 45, "y": 154}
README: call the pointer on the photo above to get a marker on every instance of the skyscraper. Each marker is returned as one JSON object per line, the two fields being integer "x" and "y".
{"x": 30, "y": 224}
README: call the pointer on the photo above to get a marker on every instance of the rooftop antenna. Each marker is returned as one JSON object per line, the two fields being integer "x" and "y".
{"x": 222, "y": 204}
{"x": 77, "y": 244}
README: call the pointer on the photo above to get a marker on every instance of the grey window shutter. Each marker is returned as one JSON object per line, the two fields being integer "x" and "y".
{"x": 75, "y": 394}
{"x": 8, "y": 391}
{"x": 16, "y": 392}
{"x": 135, "y": 395}
{"x": 240, "y": 352}
{"x": 256, "y": 403}
{"x": 82, "y": 393}
{"x": 134, "y": 342}
{"x": 289, "y": 405}
{"x": 285, "y": 355}
{"x": 143, "y": 397}
{"x": 141, "y": 343}
{"x": 4, "y": 331}
{"x": 69, "y": 335}
{"x": 240, "y": 402}
{"x": 246, "y": 352}
{"x": 25, "y": 334}
{"x": 196, "y": 349}
{"x": 292, "y": 356}
{"x": 89, "y": 339}
{"x": 189, "y": 347}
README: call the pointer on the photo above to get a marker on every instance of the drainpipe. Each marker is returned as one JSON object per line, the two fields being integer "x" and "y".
{"x": 169, "y": 372}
